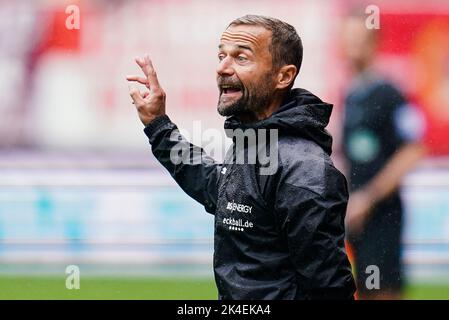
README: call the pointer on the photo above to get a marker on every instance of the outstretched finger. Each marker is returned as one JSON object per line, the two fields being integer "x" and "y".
{"x": 141, "y": 80}
{"x": 147, "y": 67}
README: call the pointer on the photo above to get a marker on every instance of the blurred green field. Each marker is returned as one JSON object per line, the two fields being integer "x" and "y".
{"x": 12, "y": 287}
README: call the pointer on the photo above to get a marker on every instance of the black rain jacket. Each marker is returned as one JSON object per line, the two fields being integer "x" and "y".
{"x": 277, "y": 236}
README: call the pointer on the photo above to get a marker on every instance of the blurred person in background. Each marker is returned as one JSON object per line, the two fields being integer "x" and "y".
{"x": 381, "y": 137}
{"x": 19, "y": 39}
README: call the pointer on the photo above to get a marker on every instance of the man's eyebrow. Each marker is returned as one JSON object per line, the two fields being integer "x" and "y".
{"x": 240, "y": 46}
{"x": 245, "y": 47}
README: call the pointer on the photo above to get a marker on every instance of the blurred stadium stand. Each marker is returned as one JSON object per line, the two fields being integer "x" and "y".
{"x": 84, "y": 209}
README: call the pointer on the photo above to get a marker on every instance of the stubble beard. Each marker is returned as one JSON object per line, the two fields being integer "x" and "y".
{"x": 253, "y": 100}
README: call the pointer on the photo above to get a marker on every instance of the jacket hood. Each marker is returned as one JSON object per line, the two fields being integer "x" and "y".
{"x": 301, "y": 113}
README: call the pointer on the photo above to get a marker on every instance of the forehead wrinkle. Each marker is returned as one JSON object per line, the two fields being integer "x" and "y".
{"x": 242, "y": 36}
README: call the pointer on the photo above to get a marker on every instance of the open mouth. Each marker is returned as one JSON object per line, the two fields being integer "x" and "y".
{"x": 230, "y": 90}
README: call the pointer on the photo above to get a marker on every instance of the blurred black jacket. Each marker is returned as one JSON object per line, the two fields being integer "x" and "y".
{"x": 277, "y": 236}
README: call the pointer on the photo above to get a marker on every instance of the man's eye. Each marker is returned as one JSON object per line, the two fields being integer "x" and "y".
{"x": 241, "y": 58}
{"x": 221, "y": 57}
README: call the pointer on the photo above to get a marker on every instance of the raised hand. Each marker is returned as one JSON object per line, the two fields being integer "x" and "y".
{"x": 150, "y": 104}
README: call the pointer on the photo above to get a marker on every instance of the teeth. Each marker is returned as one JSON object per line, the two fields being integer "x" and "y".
{"x": 230, "y": 87}
{"x": 226, "y": 88}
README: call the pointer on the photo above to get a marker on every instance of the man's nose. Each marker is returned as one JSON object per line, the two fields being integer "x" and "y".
{"x": 225, "y": 68}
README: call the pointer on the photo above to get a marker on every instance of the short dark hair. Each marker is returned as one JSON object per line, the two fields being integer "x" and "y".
{"x": 286, "y": 45}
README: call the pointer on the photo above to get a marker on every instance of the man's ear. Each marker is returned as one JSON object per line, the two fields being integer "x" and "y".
{"x": 285, "y": 77}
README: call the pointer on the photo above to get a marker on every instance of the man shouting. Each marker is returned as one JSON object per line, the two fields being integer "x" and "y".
{"x": 279, "y": 234}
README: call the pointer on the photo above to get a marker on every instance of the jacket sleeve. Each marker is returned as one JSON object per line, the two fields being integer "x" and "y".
{"x": 194, "y": 171}
{"x": 311, "y": 219}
